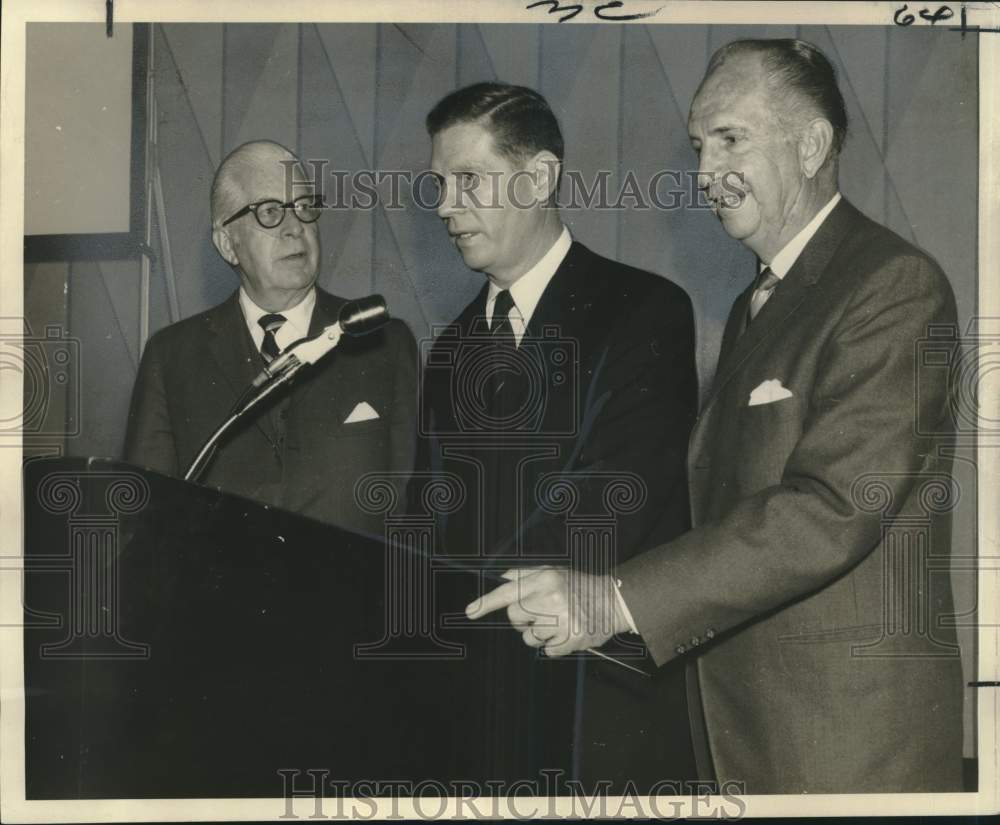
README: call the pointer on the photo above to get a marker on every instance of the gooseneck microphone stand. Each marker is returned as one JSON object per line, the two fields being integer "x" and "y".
{"x": 356, "y": 318}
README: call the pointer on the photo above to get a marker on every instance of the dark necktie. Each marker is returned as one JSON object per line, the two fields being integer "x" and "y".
{"x": 762, "y": 289}
{"x": 500, "y": 329}
{"x": 502, "y": 337}
{"x": 270, "y": 324}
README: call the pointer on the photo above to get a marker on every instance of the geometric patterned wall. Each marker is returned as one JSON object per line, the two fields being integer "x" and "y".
{"x": 357, "y": 95}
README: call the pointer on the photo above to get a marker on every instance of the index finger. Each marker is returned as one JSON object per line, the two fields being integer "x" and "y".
{"x": 503, "y": 596}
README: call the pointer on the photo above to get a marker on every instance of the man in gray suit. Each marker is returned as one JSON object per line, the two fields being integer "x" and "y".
{"x": 802, "y": 597}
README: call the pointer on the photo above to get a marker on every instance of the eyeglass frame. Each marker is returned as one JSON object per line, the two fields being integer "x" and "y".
{"x": 253, "y": 207}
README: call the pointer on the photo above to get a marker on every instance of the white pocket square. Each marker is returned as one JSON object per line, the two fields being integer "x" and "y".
{"x": 362, "y": 412}
{"x": 768, "y": 392}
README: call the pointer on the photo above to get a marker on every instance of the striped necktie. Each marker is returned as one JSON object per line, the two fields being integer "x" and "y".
{"x": 762, "y": 289}
{"x": 270, "y": 324}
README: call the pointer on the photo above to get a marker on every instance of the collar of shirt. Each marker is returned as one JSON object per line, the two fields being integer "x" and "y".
{"x": 527, "y": 290}
{"x": 784, "y": 260}
{"x": 297, "y": 319}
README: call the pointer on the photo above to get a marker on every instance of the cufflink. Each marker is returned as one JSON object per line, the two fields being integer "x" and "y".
{"x": 710, "y": 633}
{"x": 680, "y": 649}
{"x": 695, "y": 641}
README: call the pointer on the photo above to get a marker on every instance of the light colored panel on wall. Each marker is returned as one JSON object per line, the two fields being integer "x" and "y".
{"x": 350, "y": 50}
{"x": 581, "y": 76}
{"x": 684, "y": 50}
{"x": 103, "y": 316}
{"x": 186, "y": 170}
{"x": 197, "y": 53}
{"x": 414, "y": 259}
{"x": 271, "y": 110}
{"x": 513, "y": 52}
{"x": 341, "y": 134}
{"x": 932, "y": 145}
{"x": 859, "y": 56}
{"x": 78, "y": 129}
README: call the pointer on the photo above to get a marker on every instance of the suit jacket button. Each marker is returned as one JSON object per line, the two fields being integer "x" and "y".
{"x": 710, "y": 633}
{"x": 680, "y": 649}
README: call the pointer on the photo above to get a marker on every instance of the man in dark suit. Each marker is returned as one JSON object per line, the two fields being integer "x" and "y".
{"x": 562, "y": 398}
{"x": 804, "y": 595}
{"x": 352, "y": 412}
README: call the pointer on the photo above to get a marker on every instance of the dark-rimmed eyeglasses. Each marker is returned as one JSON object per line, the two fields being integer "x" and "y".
{"x": 270, "y": 213}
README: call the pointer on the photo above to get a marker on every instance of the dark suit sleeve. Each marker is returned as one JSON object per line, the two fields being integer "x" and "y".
{"x": 404, "y": 400}
{"x": 149, "y": 436}
{"x": 793, "y": 538}
{"x": 634, "y": 423}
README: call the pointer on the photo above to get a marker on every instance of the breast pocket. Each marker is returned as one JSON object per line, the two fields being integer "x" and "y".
{"x": 768, "y": 434}
{"x": 356, "y": 429}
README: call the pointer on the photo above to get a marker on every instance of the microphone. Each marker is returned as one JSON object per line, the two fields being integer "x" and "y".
{"x": 363, "y": 315}
{"x": 356, "y": 318}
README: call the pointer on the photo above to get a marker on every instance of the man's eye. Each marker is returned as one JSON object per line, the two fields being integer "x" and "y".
{"x": 468, "y": 179}
{"x": 730, "y": 140}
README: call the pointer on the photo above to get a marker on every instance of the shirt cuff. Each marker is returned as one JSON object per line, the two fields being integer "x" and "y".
{"x": 624, "y": 607}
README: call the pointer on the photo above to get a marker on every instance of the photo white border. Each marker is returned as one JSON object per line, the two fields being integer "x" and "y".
{"x": 16, "y": 13}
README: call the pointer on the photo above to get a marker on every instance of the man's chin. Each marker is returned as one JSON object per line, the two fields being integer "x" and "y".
{"x": 738, "y": 222}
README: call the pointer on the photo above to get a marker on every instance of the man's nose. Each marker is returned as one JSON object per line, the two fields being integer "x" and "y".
{"x": 449, "y": 204}
{"x": 291, "y": 226}
{"x": 707, "y": 169}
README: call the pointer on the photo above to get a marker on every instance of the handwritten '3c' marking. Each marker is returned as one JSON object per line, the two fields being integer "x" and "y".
{"x": 602, "y": 11}
{"x": 555, "y": 8}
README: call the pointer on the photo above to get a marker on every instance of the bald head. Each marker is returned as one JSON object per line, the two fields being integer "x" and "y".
{"x": 277, "y": 262}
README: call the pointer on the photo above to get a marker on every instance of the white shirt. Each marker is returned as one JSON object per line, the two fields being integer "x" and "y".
{"x": 527, "y": 290}
{"x": 790, "y": 252}
{"x": 297, "y": 319}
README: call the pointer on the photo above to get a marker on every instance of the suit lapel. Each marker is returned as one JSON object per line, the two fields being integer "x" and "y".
{"x": 232, "y": 347}
{"x": 236, "y": 356}
{"x": 787, "y": 298}
{"x": 563, "y": 297}
{"x": 325, "y": 313}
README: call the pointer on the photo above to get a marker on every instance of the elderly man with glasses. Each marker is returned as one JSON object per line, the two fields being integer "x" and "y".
{"x": 349, "y": 414}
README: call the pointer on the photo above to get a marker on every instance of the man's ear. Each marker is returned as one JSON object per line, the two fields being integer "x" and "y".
{"x": 546, "y": 167}
{"x": 223, "y": 243}
{"x": 815, "y": 145}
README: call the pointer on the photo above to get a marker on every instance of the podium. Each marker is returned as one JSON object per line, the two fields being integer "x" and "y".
{"x": 181, "y": 642}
